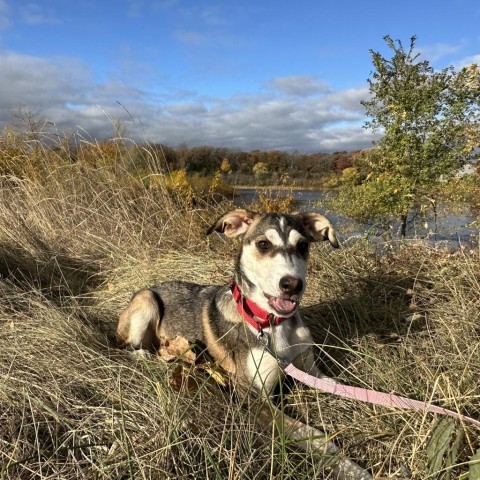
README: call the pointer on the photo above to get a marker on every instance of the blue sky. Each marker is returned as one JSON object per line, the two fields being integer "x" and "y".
{"x": 252, "y": 74}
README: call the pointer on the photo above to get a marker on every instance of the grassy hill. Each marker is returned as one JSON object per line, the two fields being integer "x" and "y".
{"x": 78, "y": 237}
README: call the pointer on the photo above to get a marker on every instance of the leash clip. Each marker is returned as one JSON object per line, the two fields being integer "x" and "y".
{"x": 264, "y": 339}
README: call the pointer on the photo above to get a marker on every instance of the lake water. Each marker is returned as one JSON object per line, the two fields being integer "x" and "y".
{"x": 304, "y": 197}
{"x": 451, "y": 227}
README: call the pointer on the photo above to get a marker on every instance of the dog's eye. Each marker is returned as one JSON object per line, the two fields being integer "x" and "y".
{"x": 302, "y": 247}
{"x": 264, "y": 245}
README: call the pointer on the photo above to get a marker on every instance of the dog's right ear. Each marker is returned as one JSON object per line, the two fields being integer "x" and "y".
{"x": 233, "y": 223}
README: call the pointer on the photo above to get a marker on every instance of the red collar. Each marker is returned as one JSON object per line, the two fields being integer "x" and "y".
{"x": 257, "y": 317}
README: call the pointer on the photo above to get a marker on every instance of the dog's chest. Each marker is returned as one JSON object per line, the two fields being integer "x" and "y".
{"x": 281, "y": 341}
{"x": 263, "y": 368}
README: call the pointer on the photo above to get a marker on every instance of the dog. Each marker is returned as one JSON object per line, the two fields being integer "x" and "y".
{"x": 260, "y": 305}
{"x": 252, "y": 325}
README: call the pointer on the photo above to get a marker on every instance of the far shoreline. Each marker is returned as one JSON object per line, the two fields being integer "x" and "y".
{"x": 281, "y": 187}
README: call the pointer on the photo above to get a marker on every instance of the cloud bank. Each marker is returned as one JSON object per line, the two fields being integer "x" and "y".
{"x": 290, "y": 113}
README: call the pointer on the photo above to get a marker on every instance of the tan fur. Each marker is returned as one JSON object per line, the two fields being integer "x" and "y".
{"x": 216, "y": 349}
{"x": 138, "y": 323}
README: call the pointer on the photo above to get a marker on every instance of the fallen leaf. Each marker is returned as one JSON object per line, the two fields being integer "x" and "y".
{"x": 216, "y": 374}
{"x": 180, "y": 379}
{"x": 171, "y": 349}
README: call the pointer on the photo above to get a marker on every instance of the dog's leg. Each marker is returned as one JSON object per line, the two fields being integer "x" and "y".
{"x": 262, "y": 371}
{"x": 308, "y": 438}
{"x": 305, "y": 360}
{"x": 138, "y": 323}
{"x": 315, "y": 442}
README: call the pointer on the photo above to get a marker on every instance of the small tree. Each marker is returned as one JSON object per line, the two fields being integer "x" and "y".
{"x": 28, "y": 122}
{"x": 430, "y": 127}
{"x": 225, "y": 166}
{"x": 260, "y": 170}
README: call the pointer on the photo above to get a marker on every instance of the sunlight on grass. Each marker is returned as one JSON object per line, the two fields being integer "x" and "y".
{"x": 79, "y": 236}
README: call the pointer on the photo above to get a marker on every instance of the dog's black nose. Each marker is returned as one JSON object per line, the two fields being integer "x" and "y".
{"x": 291, "y": 285}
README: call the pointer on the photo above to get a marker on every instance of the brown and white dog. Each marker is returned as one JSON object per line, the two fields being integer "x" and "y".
{"x": 268, "y": 283}
{"x": 234, "y": 321}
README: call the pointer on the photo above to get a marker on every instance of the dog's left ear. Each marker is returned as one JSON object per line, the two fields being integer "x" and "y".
{"x": 233, "y": 223}
{"x": 319, "y": 228}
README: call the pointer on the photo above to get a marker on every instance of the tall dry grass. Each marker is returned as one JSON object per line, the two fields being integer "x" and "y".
{"x": 79, "y": 235}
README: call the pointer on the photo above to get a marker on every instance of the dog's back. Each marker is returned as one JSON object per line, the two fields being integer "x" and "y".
{"x": 168, "y": 310}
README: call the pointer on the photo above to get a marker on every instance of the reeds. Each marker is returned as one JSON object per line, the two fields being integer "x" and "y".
{"x": 79, "y": 234}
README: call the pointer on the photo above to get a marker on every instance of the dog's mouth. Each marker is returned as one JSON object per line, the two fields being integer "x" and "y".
{"x": 283, "y": 306}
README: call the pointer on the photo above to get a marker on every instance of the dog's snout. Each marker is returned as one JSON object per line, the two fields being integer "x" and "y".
{"x": 291, "y": 285}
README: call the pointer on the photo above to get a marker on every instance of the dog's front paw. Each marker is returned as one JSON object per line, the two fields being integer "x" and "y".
{"x": 139, "y": 353}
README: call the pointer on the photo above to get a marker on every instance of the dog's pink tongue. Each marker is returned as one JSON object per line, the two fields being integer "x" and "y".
{"x": 283, "y": 305}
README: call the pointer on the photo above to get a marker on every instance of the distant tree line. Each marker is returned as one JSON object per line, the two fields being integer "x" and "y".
{"x": 236, "y": 166}
{"x": 261, "y": 166}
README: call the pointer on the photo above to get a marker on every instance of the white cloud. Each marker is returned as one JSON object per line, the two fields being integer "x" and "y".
{"x": 465, "y": 62}
{"x": 64, "y": 91}
{"x": 187, "y": 109}
{"x": 301, "y": 86}
{"x": 35, "y": 80}
{"x": 435, "y": 52}
{"x": 342, "y": 139}
{"x": 264, "y": 122}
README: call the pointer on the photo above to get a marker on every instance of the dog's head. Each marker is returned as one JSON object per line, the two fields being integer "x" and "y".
{"x": 272, "y": 262}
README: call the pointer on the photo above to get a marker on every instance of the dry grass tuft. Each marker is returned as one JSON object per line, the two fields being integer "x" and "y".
{"x": 78, "y": 238}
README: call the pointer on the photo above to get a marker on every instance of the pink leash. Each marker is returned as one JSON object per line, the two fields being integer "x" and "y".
{"x": 373, "y": 397}
{"x": 329, "y": 385}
